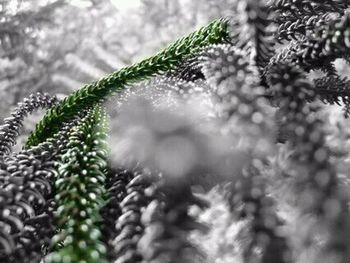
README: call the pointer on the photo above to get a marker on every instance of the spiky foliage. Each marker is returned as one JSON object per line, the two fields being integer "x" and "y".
{"x": 289, "y": 10}
{"x": 10, "y": 129}
{"x": 168, "y": 59}
{"x": 116, "y": 187}
{"x": 189, "y": 70}
{"x": 334, "y": 90}
{"x": 251, "y": 32}
{"x": 123, "y": 213}
{"x": 26, "y": 197}
{"x": 221, "y": 66}
{"x": 168, "y": 224}
{"x": 292, "y": 29}
{"x": 80, "y": 192}
{"x": 323, "y": 46}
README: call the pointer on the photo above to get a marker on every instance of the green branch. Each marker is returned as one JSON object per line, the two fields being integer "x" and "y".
{"x": 80, "y": 193}
{"x": 167, "y": 59}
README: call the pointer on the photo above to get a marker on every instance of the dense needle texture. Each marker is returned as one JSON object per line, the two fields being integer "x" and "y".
{"x": 80, "y": 192}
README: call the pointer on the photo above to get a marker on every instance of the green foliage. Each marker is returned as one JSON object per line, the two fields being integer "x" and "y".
{"x": 80, "y": 192}
{"x": 91, "y": 94}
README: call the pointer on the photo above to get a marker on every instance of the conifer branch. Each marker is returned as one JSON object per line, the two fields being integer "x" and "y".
{"x": 290, "y": 10}
{"x": 10, "y": 129}
{"x": 329, "y": 43}
{"x": 80, "y": 193}
{"x": 26, "y": 182}
{"x": 127, "y": 200}
{"x": 292, "y": 30}
{"x": 168, "y": 224}
{"x": 334, "y": 90}
{"x": 251, "y": 23}
{"x": 166, "y": 60}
